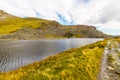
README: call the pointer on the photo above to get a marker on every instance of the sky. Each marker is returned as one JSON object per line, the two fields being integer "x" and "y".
{"x": 103, "y": 14}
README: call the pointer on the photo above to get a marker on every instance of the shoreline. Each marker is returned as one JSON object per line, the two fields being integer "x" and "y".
{"x": 74, "y": 57}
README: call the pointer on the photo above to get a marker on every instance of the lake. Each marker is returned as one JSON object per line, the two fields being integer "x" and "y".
{"x": 15, "y": 54}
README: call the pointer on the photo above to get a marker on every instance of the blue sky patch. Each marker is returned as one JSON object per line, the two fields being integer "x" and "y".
{"x": 86, "y": 1}
{"x": 112, "y": 31}
{"x": 63, "y": 21}
{"x": 37, "y": 13}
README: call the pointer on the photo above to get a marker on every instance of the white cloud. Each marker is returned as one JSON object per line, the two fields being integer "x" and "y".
{"x": 103, "y": 14}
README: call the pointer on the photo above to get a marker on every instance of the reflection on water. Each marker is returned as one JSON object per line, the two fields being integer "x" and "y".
{"x": 14, "y": 54}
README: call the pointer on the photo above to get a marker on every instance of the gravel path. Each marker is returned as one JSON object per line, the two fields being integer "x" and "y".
{"x": 110, "y": 65}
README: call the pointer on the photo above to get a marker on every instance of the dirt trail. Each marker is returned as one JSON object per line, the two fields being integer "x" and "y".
{"x": 110, "y": 65}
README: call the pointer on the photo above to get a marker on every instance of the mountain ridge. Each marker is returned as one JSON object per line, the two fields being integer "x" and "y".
{"x": 12, "y": 27}
{"x": 4, "y": 15}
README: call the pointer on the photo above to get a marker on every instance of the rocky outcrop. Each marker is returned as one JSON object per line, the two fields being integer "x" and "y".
{"x": 52, "y": 31}
{"x": 34, "y": 28}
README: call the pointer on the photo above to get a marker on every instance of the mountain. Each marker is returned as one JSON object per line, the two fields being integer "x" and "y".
{"x": 4, "y": 15}
{"x": 12, "y": 27}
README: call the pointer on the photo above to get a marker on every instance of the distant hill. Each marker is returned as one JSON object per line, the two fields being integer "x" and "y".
{"x": 12, "y": 27}
{"x": 4, "y": 15}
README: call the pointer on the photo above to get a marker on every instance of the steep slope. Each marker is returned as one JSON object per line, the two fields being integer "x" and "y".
{"x": 4, "y": 15}
{"x": 12, "y": 27}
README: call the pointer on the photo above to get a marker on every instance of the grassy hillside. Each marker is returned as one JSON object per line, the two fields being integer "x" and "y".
{"x": 12, "y": 27}
{"x": 75, "y": 64}
{"x": 13, "y": 24}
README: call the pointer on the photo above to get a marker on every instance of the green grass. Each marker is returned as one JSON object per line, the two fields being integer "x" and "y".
{"x": 13, "y": 24}
{"x": 74, "y": 64}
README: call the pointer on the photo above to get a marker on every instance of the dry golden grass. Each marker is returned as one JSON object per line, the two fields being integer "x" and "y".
{"x": 13, "y": 24}
{"x": 75, "y": 64}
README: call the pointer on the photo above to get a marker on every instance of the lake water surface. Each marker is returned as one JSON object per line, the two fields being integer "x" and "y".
{"x": 14, "y": 54}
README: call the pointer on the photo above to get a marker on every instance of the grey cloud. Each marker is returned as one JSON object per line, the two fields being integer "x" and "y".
{"x": 108, "y": 13}
{"x": 93, "y": 12}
